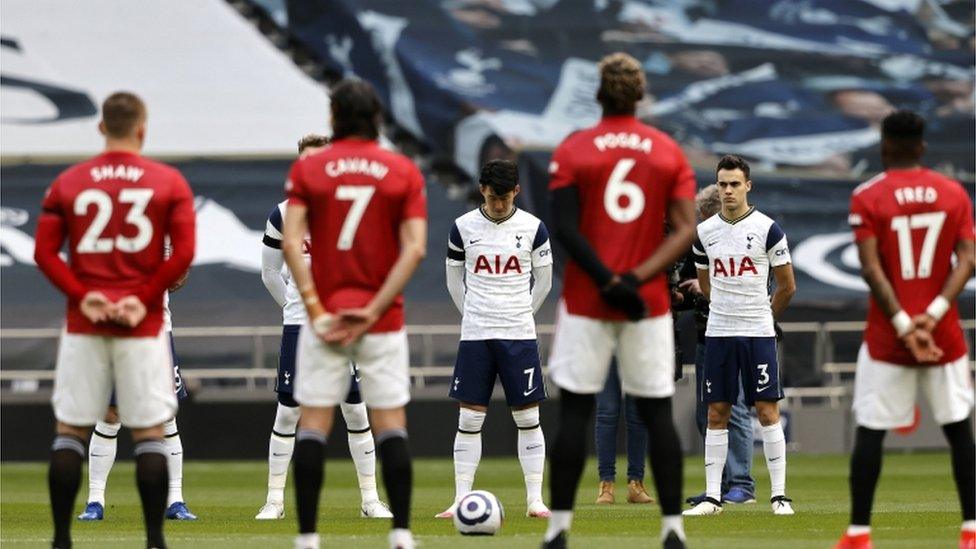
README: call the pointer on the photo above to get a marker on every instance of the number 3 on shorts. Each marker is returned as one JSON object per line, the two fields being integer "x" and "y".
{"x": 763, "y": 374}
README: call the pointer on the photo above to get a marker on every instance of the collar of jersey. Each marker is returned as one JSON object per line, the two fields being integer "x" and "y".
{"x": 497, "y": 221}
{"x": 738, "y": 219}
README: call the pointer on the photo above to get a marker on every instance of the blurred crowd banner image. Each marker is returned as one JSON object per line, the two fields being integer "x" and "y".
{"x": 798, "y": 84}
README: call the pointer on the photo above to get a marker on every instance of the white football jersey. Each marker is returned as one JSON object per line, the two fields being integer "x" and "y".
{"x": 738, "y": 255}
{"x": 167, "y": 316}
{"x": 498, "y": 257}
{"x": 294, "y": 310}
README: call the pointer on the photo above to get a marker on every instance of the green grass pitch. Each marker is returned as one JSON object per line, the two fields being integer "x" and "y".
{"x": 916, "y": 506}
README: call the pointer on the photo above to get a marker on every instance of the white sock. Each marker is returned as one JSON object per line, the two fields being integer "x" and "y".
{"x": 174, "y": 461}
{"x": 774, "y": 446}
{"x": 531, "y": 451}
{"x": 467, "y": 450}
{"x": 401, "y": 538}
{"x": 853, "y": 530}
{"x": 280, "y": 448}
{"x": 672, "y": 523}
{"x": 362, "y": 448}
{"x": 969, "y": 525}
{"x": 559, "y": 521}
{"x": 101, "y": 458}
{"x": 307, "y": 541}
{"x": 716, "y": 452}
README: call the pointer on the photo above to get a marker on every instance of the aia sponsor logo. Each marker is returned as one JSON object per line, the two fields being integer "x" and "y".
{"x": 495, "y": 265}
{"x": 729, "y": 267}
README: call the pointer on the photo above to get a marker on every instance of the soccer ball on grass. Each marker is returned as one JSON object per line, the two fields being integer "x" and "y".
{"x": 479, "y": 513}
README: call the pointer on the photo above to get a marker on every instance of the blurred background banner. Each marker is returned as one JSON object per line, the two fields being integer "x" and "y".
{"x": 789, "y": 84}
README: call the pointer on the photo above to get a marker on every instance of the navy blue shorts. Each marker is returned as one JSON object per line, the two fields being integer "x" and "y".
{"x": 514, "y": 361}
{"x": 181, "y": 392}
{"x": 285, "y": 384}
{"x": 729, "y": 358}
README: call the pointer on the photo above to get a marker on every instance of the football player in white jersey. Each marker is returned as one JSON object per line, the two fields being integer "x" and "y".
{"x": 499, "y": 271}
{"x": 735, "y": 253}
{"x": 104, "y": 442}
{"x": 282, "y": 288}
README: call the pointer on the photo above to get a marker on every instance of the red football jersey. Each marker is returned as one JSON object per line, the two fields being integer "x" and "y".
{"x": 115, "y": 211}
{"x": 357, "y": 195}
{"x": 917, "y": 216}
{"x": 627, "y": 173}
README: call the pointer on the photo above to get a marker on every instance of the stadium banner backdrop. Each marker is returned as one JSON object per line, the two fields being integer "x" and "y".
{"x": 213, "y": 84}
{"x": 787, "y": 84}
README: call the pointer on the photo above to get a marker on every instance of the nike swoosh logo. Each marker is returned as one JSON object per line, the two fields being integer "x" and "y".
{"x": 533, "y": 447}
{"x": 459, "y": 451}
{"x": 176, "y": 453}
{"x": 98, "y": 455}
{"x": 709, "y": 464}
{"x": 474, "y": 241}
{"x": 357, "y": 379}
{"x": 276, "y": 454}
{"x": 774, "y": 458}
{"x": 368, "y": 452}
{"x": 711, "y": 243}
{"x": 529, "y": 392}
{"x": 761, "y": 389}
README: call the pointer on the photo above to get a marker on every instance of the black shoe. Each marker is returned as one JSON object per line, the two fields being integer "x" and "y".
{"x": 558, "y": 542}
{"x": 673, "y": 541}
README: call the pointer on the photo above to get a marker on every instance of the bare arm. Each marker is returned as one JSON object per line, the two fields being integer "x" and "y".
{"x": 681, "y": 216}
{"x": 954, "y": 284}
{"x": 873, "y": 273}
{"x": 785, "y": 288}
{"x": 413, "y": 248}
{"x": 295, "y": 227}
{"x": 705, "y": 284}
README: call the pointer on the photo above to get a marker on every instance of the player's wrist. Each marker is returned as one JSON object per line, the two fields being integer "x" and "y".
{"x": 321, "y": 323}
{"x": 938, "y": 308}
{"x": 902, "y": 323}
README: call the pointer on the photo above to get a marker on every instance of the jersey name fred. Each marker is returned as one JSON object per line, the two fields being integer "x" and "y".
{"x": 738, "y": 256}
{"x": 498, "y": 258}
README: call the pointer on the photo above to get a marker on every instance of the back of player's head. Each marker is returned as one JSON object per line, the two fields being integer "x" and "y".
{"x": 708, "y": 202}
{"x": 312, "y": 140}
{"x": 621, "y": 84}
{"x": 122, "y": 112}
{"x": 356, "y": 109}
{"x": 500, "y": 175}
{"x": 903, "y": 125}
{"x": 733, "y": 162}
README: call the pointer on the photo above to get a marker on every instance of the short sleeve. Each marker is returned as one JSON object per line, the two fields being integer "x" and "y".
{"x": 541, "y": 248}
{"x": 777, "y": 247}
{"x": 561, "y": 171}
{"x": 273, "y": 229}
{"x": 295, "y": 187}
{"x": 455, "y": 247}
{"x": 415, "y": 204}
{"x": 51, "y": 204}
{"x": 698, "y": 253}
{"x": 684, "y": 181}
{"x": 966, "y": 230}
{"x": 183, "y": 211}
{"x": 860, "y": 219}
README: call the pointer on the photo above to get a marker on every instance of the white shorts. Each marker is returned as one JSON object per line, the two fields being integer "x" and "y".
{"x": 322, "y": 370}
{"x": 885, "y": 394}
{"x": 582, "y": 348}
{"x": 139, "y": 368}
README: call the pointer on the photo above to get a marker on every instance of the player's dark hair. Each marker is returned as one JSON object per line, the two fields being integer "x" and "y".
{"x": 121, "y": 112}
{"x": 312, "y": 140}
{"x": 733, "y": 162}
{"x": 500, "y": 175}
{"x": 622, "y": 84}
{"x": 903, "y": 125}
{"x": 356, "y": 109}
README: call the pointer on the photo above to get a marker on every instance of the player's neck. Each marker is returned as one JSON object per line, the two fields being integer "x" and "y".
{"x": 618, "y": 114}
{"x": 903, "y": 165}
{"x": 487, "y": 213}
{"x": 732, "y": 215}
{"x": 131, "y": 146}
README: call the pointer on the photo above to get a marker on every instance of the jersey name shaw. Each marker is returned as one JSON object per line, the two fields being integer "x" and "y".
{"x": 372, "y": 168}
{"x": 485, "y": 264}
{"x": 120, "y": 171}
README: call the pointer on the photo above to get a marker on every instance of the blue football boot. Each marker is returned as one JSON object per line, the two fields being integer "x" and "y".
{"x": 93, "y": 511}
{"x": 179, "y": 511}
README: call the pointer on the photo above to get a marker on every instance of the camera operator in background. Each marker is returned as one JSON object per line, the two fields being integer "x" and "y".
{"x": 738, "y": 486}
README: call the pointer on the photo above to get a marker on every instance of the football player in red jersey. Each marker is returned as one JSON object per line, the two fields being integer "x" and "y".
{"x": 613, "y": 186}
{"x": 365, "y": 210}
{"x": 115, "y": 211}
{"x": 907, "y": 222}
